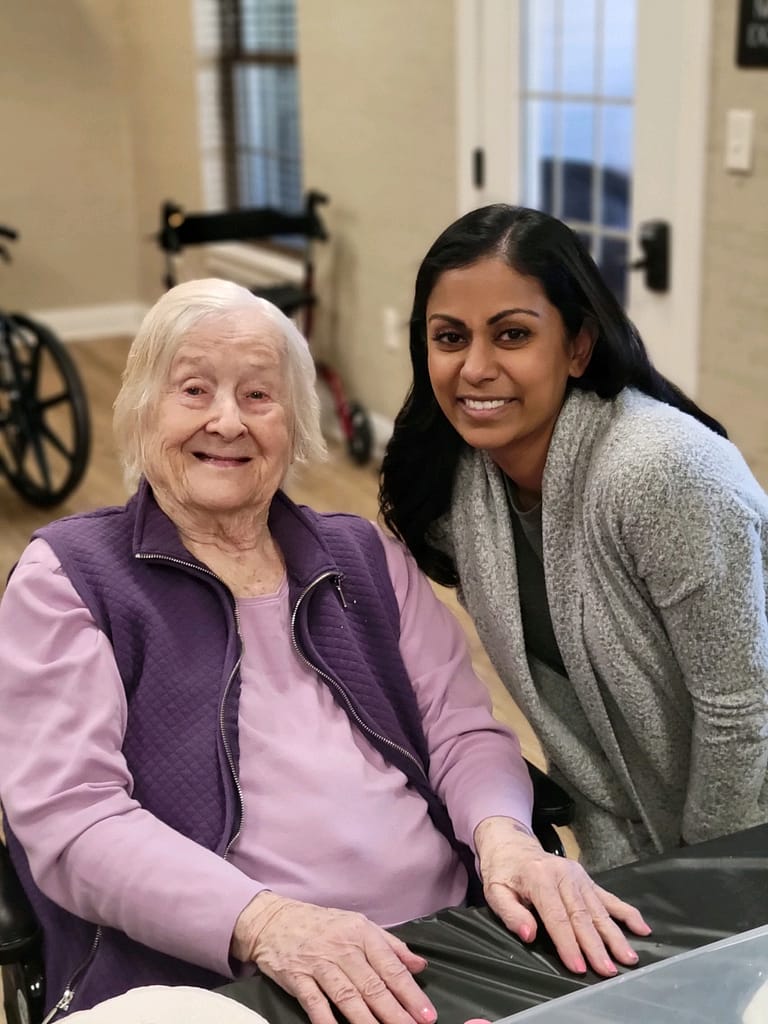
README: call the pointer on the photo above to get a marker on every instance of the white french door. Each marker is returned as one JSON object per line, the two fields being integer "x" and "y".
{"x": 595, "y": 111}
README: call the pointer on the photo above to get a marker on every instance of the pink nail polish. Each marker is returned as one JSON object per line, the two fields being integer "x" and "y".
{"x": 525, "y": 933}
{"x": 428, "y": 1015}
{"x": 580, "y": 966}
{"x": 610, "y": 967}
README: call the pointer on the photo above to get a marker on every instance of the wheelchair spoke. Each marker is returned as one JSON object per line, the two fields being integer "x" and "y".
{"x": 56, "y": 441}
{"x": 25, "y": 360}
{"x": 47, "y": 403}
{"x": 16, "y": 442}
{"x": 19, "y": 451}
{"x": 33, "y": 370}
{"x": 42, "y": 462}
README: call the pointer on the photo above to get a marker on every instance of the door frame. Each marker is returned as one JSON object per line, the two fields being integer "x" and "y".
{"x": 675, "y": 82}
{"x": 681, "y": 71}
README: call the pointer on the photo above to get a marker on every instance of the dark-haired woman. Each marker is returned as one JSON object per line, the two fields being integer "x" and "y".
{"x": 609, "y": 542}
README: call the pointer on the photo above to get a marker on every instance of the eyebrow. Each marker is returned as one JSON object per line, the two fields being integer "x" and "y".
{"x": 189, "y": 361}
{"x": 490, "y": 321}
{"x": 194, "y": 362}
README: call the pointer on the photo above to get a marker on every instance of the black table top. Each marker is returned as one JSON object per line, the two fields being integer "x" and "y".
{"x": 477, "y": 968}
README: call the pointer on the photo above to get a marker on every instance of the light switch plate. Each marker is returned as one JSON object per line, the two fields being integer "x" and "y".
{"x": 739, "y": 140}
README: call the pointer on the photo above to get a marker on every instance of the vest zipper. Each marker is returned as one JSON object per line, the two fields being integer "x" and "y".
{"x": 336, "y": 579}
{"x": 65, "y": 1000}
{"x": 222, "y": 731}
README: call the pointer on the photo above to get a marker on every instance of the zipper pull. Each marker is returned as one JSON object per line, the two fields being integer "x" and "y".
{"x": 63, "y": 1004}
{"x": 337, "y": 584}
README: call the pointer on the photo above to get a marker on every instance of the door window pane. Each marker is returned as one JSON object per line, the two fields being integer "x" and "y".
{"x": 539, "y": 35}
{"x": 613, "y": 263}
{"x": 616, "y": 163}
{"x": 578, "y": 133}
{"x": 618, "y": 48}
{"x": 540, "y": 134}
{"x": 616, "y": 137}
{"x": 577, "y": 120}
{"x": 578, "y": 47}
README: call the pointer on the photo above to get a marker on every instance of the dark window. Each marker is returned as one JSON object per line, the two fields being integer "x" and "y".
{"x": 260, "y": 103}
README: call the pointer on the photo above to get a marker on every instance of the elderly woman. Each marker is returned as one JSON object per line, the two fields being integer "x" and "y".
{"x": 219, "y": 711}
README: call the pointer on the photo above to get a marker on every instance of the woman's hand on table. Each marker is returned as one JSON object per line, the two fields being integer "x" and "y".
{"x": 578, "y": 915}
{"x": 324, "y": 956}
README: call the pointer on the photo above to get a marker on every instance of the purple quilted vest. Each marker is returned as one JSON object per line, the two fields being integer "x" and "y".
{"x": 172, "y": 627}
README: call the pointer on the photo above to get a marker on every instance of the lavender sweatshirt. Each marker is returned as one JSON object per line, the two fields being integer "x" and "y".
{"x": 96, "y": 852}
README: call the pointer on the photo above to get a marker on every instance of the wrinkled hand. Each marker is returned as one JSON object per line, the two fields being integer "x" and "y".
{"x": 321, "y": 955}
{"x": 578, "y": 915}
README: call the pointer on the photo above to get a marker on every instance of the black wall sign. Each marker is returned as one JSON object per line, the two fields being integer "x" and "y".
{"x": 752, "y": 38}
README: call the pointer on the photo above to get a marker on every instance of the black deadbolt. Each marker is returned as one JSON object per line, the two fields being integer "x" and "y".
{"x": 654, "y": 240}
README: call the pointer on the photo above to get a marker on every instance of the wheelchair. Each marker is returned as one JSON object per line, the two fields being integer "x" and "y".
{"x": 21, "y": 949}
{"x": 179, "y": 229}
{"x": 45, "y": 434}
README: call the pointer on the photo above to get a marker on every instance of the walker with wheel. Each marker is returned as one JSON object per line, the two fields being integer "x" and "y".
{"x": 179, "y": 229}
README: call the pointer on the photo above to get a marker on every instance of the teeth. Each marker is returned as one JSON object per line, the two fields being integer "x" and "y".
{"x": 476, "y": 403}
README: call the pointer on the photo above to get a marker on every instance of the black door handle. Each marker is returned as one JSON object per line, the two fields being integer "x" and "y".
{"x": 654, "y": 239}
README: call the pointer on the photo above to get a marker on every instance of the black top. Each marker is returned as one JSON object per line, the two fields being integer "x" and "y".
{"x": 540, "y": 639}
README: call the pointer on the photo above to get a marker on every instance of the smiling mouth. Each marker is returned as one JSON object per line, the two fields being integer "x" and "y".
{"x": 484, "y": 404}
{"x": 222, "y": 460}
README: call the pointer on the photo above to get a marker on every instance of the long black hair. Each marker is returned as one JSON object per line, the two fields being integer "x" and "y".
{"x": 420, "y": 461}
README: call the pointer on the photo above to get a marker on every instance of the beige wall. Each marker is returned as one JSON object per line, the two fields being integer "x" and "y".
{"x": 161, "y": 66}
{"x": 378, "y": 124}
{"x": 67, "y": 164}
{"x": 734, "y": 334}
{"x": 98, "y": 115}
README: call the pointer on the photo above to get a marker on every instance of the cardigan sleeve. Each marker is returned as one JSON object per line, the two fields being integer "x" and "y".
{"x": 696, "y": 536}
{"x": 66, "y": 788}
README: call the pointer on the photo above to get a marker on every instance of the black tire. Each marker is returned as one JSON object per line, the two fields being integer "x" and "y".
{"x": 45, "y": 430}
{"x": 360, "y": 440}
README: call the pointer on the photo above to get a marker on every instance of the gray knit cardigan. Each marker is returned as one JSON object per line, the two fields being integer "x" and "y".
{"x": 656, "y": 562}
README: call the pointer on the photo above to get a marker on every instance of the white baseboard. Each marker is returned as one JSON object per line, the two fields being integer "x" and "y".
{"x": 86, "y": 322}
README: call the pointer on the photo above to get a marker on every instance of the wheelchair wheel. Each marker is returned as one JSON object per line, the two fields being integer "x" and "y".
{"x": 23, "y": 996}
{"x": 360, "y": 439}
{"x": 45, "y": 434}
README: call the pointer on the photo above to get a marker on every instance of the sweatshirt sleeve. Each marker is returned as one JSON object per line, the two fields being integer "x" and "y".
{"x": 698, "y": 547}
{"x": 475, "y": 762}
{"x": 67, "y": 790}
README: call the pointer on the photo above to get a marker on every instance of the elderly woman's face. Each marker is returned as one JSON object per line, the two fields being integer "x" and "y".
{"x": 221, "y": 436}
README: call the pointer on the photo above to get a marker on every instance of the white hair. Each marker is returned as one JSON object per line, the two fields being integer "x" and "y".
{"x": 164, "y": 329}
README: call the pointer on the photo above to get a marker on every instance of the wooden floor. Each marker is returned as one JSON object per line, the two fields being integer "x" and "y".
{"x": 338, "y": 485}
